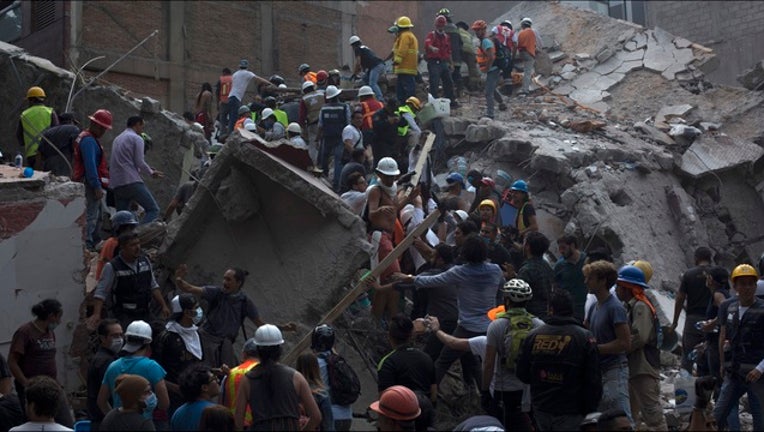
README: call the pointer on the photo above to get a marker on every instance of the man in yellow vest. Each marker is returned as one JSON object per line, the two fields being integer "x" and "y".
{"x": 230, "y": 385}
{"x": 33, "y": 121}
{"x": 408, "y": 130}
{"x": 405, "y": 57}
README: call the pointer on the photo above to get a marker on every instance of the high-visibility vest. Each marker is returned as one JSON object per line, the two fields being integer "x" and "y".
{"x": 232, "y": 387}
{"x": 369, "y": 108}
{"x": 240, "y": 123}
{"x": 314, "y": 101}
{"x": 482, "y": 57}
{"x": 281, "y": 117}
{"x": 403, "y": 130}
{"x": 102, "y": 167}
{"x": 34, "y": 120}
{"x": 225, "y": 87}
{"x": 310, "y": 76}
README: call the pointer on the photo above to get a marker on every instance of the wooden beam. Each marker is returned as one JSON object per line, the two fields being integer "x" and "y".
{"x": 360, "y": 286}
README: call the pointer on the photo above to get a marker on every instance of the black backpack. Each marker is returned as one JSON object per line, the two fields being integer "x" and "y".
{"x": 503, "y": 55}
{"x": 344, "y": 385}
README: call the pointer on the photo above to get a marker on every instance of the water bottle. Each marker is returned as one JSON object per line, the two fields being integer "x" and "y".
{"x": 18, "y": 161}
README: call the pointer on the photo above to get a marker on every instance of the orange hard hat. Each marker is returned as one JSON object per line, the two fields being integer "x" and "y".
{"x": 102, "y": 117}
{"x": 398, "y": 403}
{"x": 479, "y": 25}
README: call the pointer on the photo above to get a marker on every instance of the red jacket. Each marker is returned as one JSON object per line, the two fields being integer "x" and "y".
{"x": 440, "y": 41}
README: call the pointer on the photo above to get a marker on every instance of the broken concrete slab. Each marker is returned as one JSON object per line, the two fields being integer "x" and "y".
{"x": 568, "y": 76}
{"x": 556, "y": 56}
{"x": 654, "y": 134}
{"x": 681, "y": 42}
{"x": 629, "y": 66}
{"x": 568, "y": 68}
{"x": 640, "y": 40}
{"x": 455, "y": 125}
{"x": 668, "y": 112}
{"x": 630, "y": 46}
{"x": 582, "y": 56}
{"x": 671, "y": 71}
{"x": 753, "y": 78}
{"x": 612, "y": 64}
{"x": 586, "y": 97}
{"x": 683, "y": 212}
{"x": 482, "y": 133}
{"x": 683, "y": 56}
{"x": 716, "y": 153}
{"x": 565, "y": 89}
{"x": 254, "y": 211}
{"x": 657, "y": 59}
{"x": 627, "y": 56}
{"x": 604, "y": 54}
{"x": 149, "y": 105}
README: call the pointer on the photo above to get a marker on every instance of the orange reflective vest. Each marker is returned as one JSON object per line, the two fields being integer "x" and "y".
{"x": 310, "y": 76}
{"x": 232, "y": 388}
{"x": 369, "y": 108}
{"x": 484, "y": 58}
{"x": 225, "y": 87}
{"x": 240, "y": 123}
{"x": 102, "y": 167}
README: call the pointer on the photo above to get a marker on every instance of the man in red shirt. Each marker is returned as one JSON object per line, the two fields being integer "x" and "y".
{"x": 437, "y": 48}
{"x": 526, "y": 46}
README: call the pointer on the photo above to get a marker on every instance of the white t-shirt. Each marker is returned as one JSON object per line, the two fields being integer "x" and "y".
{"x": 239, "y": 82}
{"x": 352, "y": 133}
{"x": 38, "y": 426}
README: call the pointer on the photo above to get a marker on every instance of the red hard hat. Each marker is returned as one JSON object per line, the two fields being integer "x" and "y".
{"x": 102, "y": 117}
{"x": 398, "y": 403}
{"x": 321, "y": 75}
{"x": 440, "y": 21}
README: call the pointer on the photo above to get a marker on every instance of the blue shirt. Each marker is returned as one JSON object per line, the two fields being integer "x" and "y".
{"x": 603, "y": 319}
{"x": 91, "y": 155}
{"x": 485, "y": 45}
{"x": 142, "y": 366}
{"x": 188, "y": 415}
{"x": 477, "y": 286}
{"x": 339, "y": 412}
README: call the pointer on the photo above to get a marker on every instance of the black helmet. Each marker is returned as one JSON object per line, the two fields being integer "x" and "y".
{"x": 322, "y": 338}
{"x": 270, "y": 102}
{"x": 276, "y": 80}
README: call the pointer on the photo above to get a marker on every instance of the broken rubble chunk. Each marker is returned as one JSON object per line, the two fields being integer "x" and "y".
{"x": 582, "y": 56}
{"x": 482, "y": 133}
{"x": 708, "y": 126}
{"x": 630, "y": 46}
{"x": 586, "y": 126}
{"x": 604, "y": 54}
{"x": 149, "y": 105}
{"x": 715, "y": 153}
{"x": 640, "y": 40}
{"x": 753, "y": 78}
{"x": 657, "y": 59}
{"x": 654, "y": 134}
{"x": 612, "y": 64}
{"x": 667, "y": 112}
{"x": 556, "y": 56}
{"x": 629, "y": 66}
{"x": 683, "y": 56}
{"x": 568, "y": 68}
{"x": 684, "y": 131}
{"x": 568, "y": 76}
{"x": 682, "y": 42}
{"x": 631, "y": 56}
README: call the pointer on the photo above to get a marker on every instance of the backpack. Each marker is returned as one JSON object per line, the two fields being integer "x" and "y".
{"x": 344, "y": 385}
{"x": 503, "y": 55}
{"x": 520, "y": 324}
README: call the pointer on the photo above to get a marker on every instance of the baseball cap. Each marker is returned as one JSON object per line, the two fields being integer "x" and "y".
{"x": 455, "y": 177}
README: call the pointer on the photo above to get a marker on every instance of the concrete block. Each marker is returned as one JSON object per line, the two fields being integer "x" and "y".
{"x": 568, "y": 68}
{"x": 627, "y": 56}
{"x": 753, "y": 78}
{"x": 612, "y": 64}
{"x": 482, "y": 133}
{"x": 455, "y": 126}
{"x": 556, "y": 56}
{"x": 149, "y": 105}
{"x": 713, "y": 154}
{"x": 668, "y": 112}
{"x": 654, "y": 134}
{"x": 604, "y": 54}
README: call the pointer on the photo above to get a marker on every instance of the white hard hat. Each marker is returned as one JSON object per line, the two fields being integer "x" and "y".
{"x": 407, "y": 212}
{"x": 140, "y": 329}
{"x": 388, "y": 166}
{"x": 251, "y": 126}
{"x": 282, "y": 86}
{"x": 268, "y": 335}
{"x": 462, "y": 215}
{"x": 294, "y": 128}
{"x": 332, "y": 92}
{"x": 267, "y": 112}
{"x": 308, "y": 84}
{"x": 354, "y": 39}
{"x": 365, "y": 91}
{"x": 526, "y": 20}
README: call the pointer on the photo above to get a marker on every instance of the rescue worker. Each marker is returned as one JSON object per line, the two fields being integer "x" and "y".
{"x": 281, "y": 115}
{"x": 269, "y": 127}
{"x": 127, "y": 285}
{"x": 32, "y": 123}
{"x": 468, "y": 54}
{"x": 294, "y": 134}
{"x": 61, "y": 137}
{"x": 526, "y": 46}
{"x": 405, "y": 58}
{"x": 283, "y": 387}
{"x": 486, "y": 54}
{"x": 121, "y": 222}
{"x": 741, "y": 323}
{"x": 305, "y": 73}
{"x": 91, "y": 167}
{"x": 322, "y": 80}
{"x": 222, "y": 88}
{"x": 398, "y": 408}
{"x": 369, "y": 105}
{"x": 334, "y": 78}
{"x": 456, "y": 50}
{"x": 245, "y": 119}
{"x": 310, "y": 106}
{"x": 369, "y": 63}
{"x": 408, "y": 129}
{"x": 437, "y": 48}
{"x": 332, "y": 119}
{"x": 232, "y": 381}
{"x": 560, "y": 362}
{"x": 526, "y": 213}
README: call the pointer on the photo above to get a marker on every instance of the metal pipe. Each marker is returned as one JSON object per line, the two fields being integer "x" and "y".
{"x": 74, "y": 81}
{"x": 108, "y": 68}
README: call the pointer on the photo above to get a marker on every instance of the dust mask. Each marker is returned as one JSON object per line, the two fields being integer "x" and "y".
{"x": 116, "y": 345}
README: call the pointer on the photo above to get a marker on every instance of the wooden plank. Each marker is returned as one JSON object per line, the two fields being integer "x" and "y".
{"x": 422, "y": 158}
{"x": 360, "y": 286}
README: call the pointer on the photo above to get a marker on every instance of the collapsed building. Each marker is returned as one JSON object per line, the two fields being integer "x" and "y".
{"x": 624, "y": 144}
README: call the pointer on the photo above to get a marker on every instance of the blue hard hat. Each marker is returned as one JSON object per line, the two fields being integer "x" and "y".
{"x": 455, "y": 177}
{"x": 520, "y": 185}
{"x": 121, "y": 218}
{"x": 633, "y": 275}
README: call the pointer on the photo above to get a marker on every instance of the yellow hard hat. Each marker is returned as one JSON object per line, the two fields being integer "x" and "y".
{"x": 404, "y": 22}
{"x": 646, "y": 268}
{"x": 35, "y": 92}
{"x": 414, "y": 101}
{"x": 489, "y": 203}
{"x": 744, "y": 270}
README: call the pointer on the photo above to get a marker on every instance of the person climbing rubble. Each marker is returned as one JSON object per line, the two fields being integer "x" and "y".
{"x": 455, "y": 39}
{"x": 32, "y": 123}
{"x": 310, "y": 107}
{"x": 526, "y": 46}
{"x": 306, "y": 74}
{"x": 409, "y": 131}
{"x": 239, "y": 82}
{"x": 332, "y": 119}
{"x": 405, "y": 57}
{"x": 486, "y": 56}
{"x": 437, "y": 48}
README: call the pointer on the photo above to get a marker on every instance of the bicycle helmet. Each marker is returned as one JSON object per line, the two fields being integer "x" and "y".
{"x": 517, "y": 290}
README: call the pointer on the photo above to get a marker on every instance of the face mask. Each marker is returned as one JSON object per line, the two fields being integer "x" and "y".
{"x": 198, "y": 317}
{"x": 52, "y": 326}
{"x": 151, "y": 405}
{"x": 116, "y": 345}
{"x": 390, "y": 190}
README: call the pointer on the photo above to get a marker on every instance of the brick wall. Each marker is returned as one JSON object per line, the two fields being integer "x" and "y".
{"x": 733, "y": 29}
{"x": 116, "y": 27}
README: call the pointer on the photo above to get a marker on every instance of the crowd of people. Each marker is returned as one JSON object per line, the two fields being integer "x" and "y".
{"x": 565, "y": 344}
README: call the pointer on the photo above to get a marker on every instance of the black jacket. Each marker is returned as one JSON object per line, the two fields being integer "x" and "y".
{"x": 560, "y": 362}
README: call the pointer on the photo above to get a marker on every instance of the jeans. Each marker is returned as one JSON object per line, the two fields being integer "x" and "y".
{"x": 491, "y": 80}
{"x": 373, "y": 75}
{"x": 93, "y": 214}
{"x": 615, "y": 390}
{"x": 405, "y": 87}
{"x": 528, "y": 67}
{"x": 139, "y": 193}
{"x": 691, "y": 337}
{"x": 733, "y": 388}
{"x": 224, "y": 117}
{"x": 438, "y": 69}
{"x": 508, "y": 409}
{"x": 471, "y": 368}
{"x": 332, "y": 146}
{"x": 233, "y": 112}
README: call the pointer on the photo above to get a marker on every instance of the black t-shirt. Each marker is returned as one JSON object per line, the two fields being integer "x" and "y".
{"x": 694, "y": 285}
{"x": 171, "y": 353}
{"x": 369, "y": 60}
{"x": 11, "y": 413}
{"x": 96, "y": 370}
{"x": 407, "y": 366}
{"x": 498, "y": 254}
